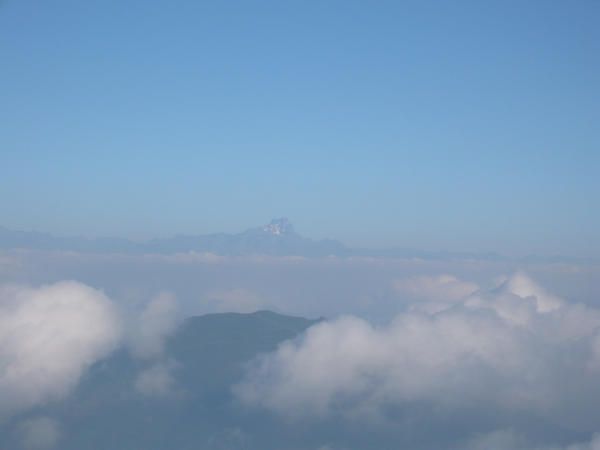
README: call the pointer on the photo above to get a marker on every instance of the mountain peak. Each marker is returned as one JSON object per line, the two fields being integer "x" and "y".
{"x": 279, "y": 227}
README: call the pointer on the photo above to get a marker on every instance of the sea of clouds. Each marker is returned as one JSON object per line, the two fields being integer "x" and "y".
{"x": 485, "y": 348}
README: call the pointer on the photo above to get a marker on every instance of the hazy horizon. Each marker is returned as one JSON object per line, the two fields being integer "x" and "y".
{"x": 392, "y": 251}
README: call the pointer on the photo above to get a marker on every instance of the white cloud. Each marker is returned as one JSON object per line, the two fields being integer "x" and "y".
{"x": 433, "y": 293}
{"x": 156, "y": 322}
{"x": 515, "y": 348}
{"x": 40, "y": 433}
{"x": 523, "y": 286}
{"x": 48, "y": 337}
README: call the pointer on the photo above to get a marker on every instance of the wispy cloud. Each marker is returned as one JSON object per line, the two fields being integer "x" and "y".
{"x": 156, "y": 321}
{"x": 39, "y": 433}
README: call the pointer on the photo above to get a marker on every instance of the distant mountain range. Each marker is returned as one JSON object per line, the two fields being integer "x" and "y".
{"x": 277, "y": 238}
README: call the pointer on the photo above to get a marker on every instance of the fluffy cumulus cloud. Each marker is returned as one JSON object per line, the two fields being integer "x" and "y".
{"x": 515, "y": 350}
{"x": 48, "y": 337}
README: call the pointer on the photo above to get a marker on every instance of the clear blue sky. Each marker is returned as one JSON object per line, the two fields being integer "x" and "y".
{"x": 464, "y": 125}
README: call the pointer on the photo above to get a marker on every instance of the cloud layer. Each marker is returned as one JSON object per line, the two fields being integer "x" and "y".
{"x": 515, "y": 350}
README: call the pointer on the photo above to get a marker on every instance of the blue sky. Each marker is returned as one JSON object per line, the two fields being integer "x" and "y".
{"x": 440, "y": 125}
